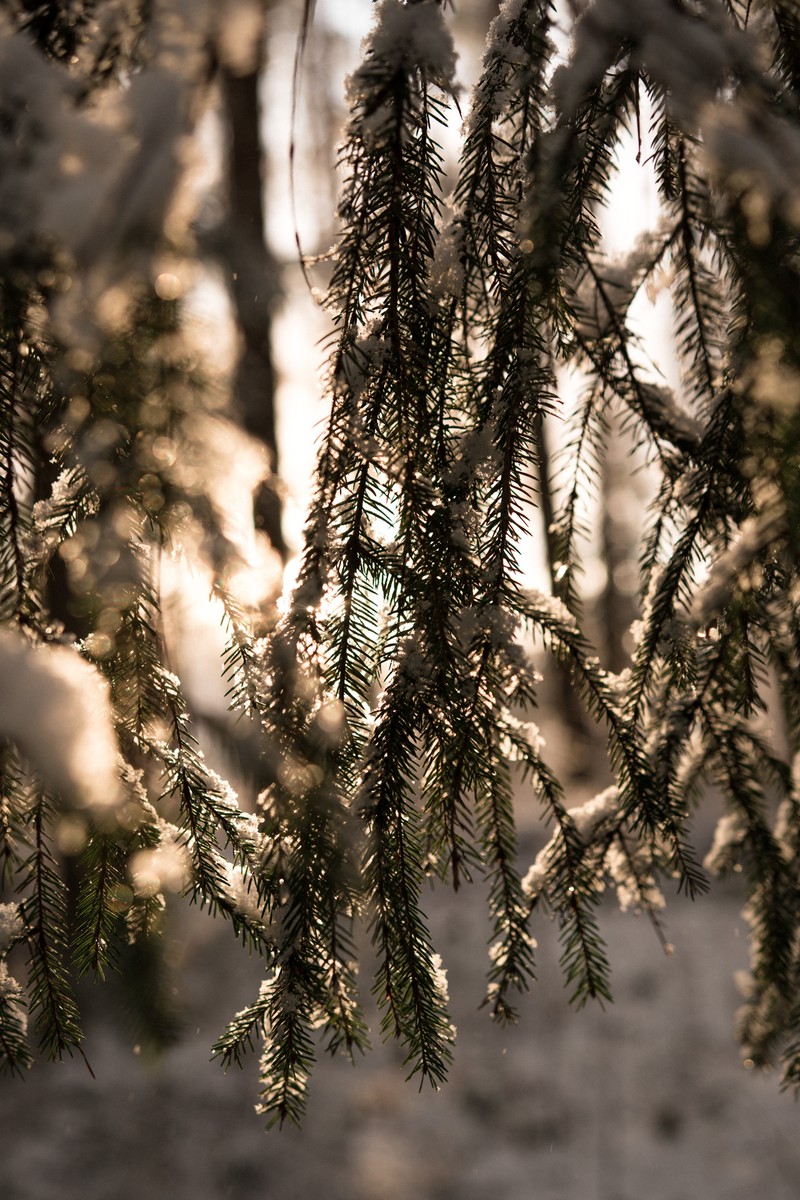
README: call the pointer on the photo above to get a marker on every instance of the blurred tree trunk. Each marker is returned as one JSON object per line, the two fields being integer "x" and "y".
{"x": 616, "y": 607}
{"x": 253, "y": 277}
{"x": 571, "y": 710}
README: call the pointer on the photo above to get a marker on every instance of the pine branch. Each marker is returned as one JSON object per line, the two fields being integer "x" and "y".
{"x": 52, "y": 1003}
{"x": 407, "y": 986}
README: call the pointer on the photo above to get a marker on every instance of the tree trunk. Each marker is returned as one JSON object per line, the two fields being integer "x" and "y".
{"x": 253, "y": 283}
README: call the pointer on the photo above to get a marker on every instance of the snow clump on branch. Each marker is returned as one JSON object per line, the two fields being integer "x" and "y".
{"x": 56, "y": 707}
{"x": 11, "y": 925}
{"x": 586, "y": 819}
{"x": 413, "y": 35}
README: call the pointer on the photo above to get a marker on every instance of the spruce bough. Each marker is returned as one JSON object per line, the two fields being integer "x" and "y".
{"x": 391, "y": 692}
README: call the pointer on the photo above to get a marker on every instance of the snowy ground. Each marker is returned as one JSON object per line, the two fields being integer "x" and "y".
{"x": 647, "y": 1101}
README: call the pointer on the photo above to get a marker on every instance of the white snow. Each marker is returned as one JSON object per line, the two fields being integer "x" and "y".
{"x": 11, "y": 925}
{"x": 587, "y": 817}
{"x": 553, "y": 607}
{"x": 9, "y": 988}
{"x": 633, "y": 878}
{"x": 729, "y": 835}
{"x": 535, "y": 880}
{"x": 242, "y": 892}
{"x": 413, "y": 35}
{"x": 440, "y": 976}
{"x": 447, "y": 269}
{"x": 56, "y": 707}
